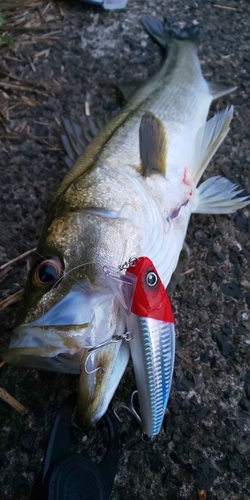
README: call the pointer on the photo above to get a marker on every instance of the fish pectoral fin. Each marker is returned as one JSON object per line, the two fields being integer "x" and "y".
{"x": 153, "y": 145}
{"x": 217, "y": 196}
{"x": 77, "y": 135}
{"x": 219, "y": 90}
{"x": 208, "y": 139}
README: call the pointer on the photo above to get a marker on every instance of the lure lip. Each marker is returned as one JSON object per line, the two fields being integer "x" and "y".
{"x": 123, "y": 286}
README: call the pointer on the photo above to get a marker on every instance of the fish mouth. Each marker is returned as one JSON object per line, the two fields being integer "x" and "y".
{"x": 47, "y": 347}
{"x": 57, "y": 340}
{"x": 62, "y": 340}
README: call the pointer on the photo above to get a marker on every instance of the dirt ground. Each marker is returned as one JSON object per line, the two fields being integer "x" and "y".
{"x": 59, "y": 56}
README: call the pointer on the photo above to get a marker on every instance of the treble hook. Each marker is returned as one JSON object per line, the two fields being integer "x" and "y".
{"x": 116, "y": 338}
{"x": 131, "y": 409}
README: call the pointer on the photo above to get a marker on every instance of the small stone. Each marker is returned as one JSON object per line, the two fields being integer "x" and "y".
{"x": 231, "y": 290}
{"x": 207, "y": 372}
{"x": 244, "y": 404}
{"x": 205, "y": 398}
{"x": 192, "y": 302}
{"x": 202, "y": 413}
{"x": 229, "y": 311}
{"x": 245, "y": 284}
{"x": 176, "y": 438}
{"x": 247, "y": 297}
{"x": 213, "y": 307}
{"x": 247, "y": 377}
{"x": 241, "y": 329}
{"x": 226, "y": 348}
{"x": 247, "y": 390}
{"x": 242, "y": 223}
{"x": 226, "y": 328}
{"x": 41, "y": 131}
{"x": 213, "y": 362}
{"x": 205, "y": 357}
{"x": 242, "y": 448}
{"x": 202, "y": 301}
{"x": 28, "y": 440}
{"x": 241, "y": 420}
{"x": 183, "y": 384}
{"x": 235, "y": 463}
{"x": 221, "y": 494}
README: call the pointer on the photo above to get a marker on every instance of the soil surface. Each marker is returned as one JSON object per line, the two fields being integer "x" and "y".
{"x": 60, "y": 56}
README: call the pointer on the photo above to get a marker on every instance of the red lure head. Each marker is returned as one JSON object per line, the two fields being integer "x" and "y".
{"x": 150, "y": 298}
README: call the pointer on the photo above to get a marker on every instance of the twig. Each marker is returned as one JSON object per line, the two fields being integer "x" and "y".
{"x": 16, "y": 259}
{"x": 4, "y": 273}
{"x": 5, "y": 396}
{"x": 11, "y": 299}
{"x": 5, "y": 72}
{"x": 21, "y": 87}
{"x": 224, "y": 7}
{"x": 202, "y": 495}
{"x": 2, "y": 363}
{"x": 188, "y": 271}
{"x": 22, "y": 137}
{"x": 3, "y": 115}
{"x": 9, "y": 27}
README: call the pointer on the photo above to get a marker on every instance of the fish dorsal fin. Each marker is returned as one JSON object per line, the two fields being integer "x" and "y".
{"x": 153, "y": 144}
{"x": 208, "y": 139}
{"x": 77, "y": 135}
{"x": 219, "y": 90}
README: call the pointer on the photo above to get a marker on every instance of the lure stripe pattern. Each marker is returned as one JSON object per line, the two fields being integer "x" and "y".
{"x": 158, "y": 344}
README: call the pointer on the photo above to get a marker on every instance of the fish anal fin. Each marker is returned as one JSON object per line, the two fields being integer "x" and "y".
{"x": 217, "y": 195}
{"x": 153, "y": 145}
{"x": 219, "y": 90}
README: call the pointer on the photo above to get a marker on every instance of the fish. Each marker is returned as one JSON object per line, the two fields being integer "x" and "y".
{"x": 130, "y": 192}
{"x": 150, "y": 323}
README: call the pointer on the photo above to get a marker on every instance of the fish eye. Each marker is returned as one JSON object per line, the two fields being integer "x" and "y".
{"x": 151, "y": 278}
{"x": 47, "y": 272}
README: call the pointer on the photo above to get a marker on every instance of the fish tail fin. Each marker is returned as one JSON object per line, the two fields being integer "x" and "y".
{"x": 208, "y": 139}
{"x": 164, "y": 33}
{"x": 217, "y": 196}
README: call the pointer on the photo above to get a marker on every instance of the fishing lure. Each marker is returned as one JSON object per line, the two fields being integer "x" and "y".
{"x": 152, "y": 343}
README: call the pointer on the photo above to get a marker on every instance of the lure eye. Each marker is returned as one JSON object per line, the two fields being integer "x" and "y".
{"x": 47, "y": 272}
{"x": 151, "y": 278}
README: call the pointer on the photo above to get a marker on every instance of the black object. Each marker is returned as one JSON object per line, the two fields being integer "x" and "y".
{"x": 72, "y": 476}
